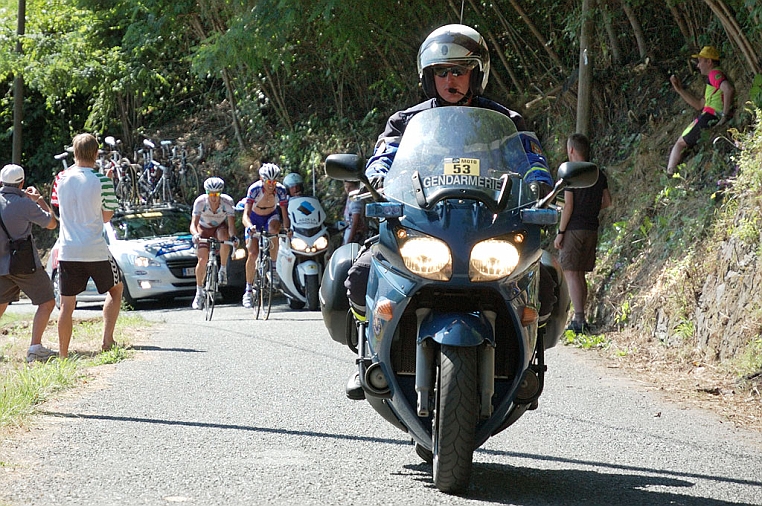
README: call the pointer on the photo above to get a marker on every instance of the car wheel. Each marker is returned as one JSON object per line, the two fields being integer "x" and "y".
{"x": 129, "y": 301}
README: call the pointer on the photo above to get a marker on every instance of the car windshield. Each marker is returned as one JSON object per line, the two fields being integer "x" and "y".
{"x": 151, "y": 223}
{"x": 458, "y": 152}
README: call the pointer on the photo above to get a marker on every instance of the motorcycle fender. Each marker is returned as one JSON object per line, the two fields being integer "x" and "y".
{"x": 456, "y": 329}
{"x": 308, "y": 268}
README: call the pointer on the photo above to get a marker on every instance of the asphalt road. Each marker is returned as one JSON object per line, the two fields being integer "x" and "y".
{"x": 242, "y": 412}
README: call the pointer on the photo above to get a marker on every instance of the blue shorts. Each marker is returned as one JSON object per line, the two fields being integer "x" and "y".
{"x": 262, "y": 223}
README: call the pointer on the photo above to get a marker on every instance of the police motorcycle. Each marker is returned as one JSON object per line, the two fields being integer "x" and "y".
{"x": 452, "y": 351}
{"x": 301, "y": 257}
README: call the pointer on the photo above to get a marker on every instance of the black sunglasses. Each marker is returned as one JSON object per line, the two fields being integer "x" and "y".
{"x": 455, "y": 70}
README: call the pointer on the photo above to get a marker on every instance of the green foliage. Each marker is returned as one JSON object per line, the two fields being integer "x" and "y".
{"x": 755, "y": 94}
{"x": 26, "y": 386}
{"x": 586, "y": 341}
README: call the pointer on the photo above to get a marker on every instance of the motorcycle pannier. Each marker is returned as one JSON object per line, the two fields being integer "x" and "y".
{"x": 333, "y": 294}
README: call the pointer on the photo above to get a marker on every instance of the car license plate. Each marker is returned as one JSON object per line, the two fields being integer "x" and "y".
{"x": 189, "y": 271}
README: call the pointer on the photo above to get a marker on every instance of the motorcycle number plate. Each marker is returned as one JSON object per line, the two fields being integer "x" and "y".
{"x": 461, "y": 166}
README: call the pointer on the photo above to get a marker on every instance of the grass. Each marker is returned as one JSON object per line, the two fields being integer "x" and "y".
{"x": 25, "y": 386}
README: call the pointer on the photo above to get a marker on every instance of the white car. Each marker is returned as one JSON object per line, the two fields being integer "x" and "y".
{"x": 155, "y": 254}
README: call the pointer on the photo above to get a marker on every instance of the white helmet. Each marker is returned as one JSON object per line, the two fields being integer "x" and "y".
{"x": 214, "y": 184}
{"x": 269, "y": 172}
{"x": 453, "y": 45}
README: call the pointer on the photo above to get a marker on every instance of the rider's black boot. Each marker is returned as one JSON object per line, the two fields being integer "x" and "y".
{"x": 354, "y": 388}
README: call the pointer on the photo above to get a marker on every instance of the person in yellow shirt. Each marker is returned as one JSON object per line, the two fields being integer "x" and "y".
{"x": 716, "y": 105}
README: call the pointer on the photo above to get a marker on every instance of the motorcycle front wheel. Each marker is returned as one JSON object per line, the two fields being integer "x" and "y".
{"x": 455, "y": 418}
{"x": 311, "y": 289}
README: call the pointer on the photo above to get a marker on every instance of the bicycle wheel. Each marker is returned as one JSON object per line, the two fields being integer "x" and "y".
{"x": 210, "y": 286}
{"x": 187, "y": 183}
{"x": 266, "y": 294}
{"x": 259, "y": 287}
{"x": 125, "y": 189}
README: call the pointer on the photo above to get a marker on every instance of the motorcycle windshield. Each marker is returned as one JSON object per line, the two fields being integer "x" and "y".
{"x": 458, "y": 152}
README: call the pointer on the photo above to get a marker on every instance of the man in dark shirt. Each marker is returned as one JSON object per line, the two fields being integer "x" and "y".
{"x": 577, "y": 237}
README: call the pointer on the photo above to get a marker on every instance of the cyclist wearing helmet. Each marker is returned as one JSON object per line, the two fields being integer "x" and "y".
{"x": 453, "y": 68}
{"x": 213, "y": 216}
{"x": 294, "y": 184}
{"x": 261, "y": 213}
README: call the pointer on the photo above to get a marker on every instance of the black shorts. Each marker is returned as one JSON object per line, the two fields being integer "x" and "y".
{"x": 692, "y": 134}
{"x": 73, "y": 276}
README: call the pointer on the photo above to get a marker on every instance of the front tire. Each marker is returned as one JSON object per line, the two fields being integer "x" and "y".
{"x": 311, "y": 289}
{"x": 455, "y": 418}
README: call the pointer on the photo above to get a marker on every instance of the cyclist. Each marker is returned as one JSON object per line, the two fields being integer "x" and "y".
{"x": 294, "y": 184}
{"x": 213, "y": 216}
{"x": 261, "y": 213}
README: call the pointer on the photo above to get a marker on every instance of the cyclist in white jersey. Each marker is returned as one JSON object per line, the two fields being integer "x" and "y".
{"x": 213, "y": 216}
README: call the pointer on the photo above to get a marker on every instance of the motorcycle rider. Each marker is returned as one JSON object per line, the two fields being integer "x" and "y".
{"x": 261, "y": 212}
{"x": 453, "y": 68}
{"x": 294, "y": 184}
{"x": 213, "y": 216}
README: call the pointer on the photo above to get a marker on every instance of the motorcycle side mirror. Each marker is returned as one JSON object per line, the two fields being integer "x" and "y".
{"x": 349, "y": 167}
{"x": 578, "y": 174}
{"x": 345, "y": 167}
{"x": 571, "y": 175}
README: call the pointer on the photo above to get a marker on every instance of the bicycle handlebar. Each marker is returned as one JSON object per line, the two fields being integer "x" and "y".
{"x": 210, "y": 240}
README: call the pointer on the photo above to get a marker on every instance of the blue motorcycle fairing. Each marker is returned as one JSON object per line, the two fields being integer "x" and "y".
{"x": 456, "y": 329}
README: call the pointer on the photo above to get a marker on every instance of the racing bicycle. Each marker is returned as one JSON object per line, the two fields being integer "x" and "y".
{"x": 211, "y": 280}
{"x": 263, "y": 285}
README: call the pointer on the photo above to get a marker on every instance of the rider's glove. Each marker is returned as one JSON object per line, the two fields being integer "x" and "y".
{"x": 235, "y": 240}
{"x": 196, "y": 237}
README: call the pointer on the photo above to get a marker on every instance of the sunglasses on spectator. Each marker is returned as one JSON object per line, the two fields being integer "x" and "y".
{"x": 455, "y": 70}
{"x": 214, "y": 194}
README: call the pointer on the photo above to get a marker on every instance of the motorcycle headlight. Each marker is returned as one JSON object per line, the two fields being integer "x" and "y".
{"x": 298, "y": 244}
{"x": 141, "y": 261}
{"x": 492, "y": 259}
{"x": 321, "y": 243}
{"x": 425, "y": 256}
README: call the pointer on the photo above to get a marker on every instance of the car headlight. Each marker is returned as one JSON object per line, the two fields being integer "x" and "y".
{"x": 492, "y": 259}
{"x": 424, "y": 255}
{"x": 141, "y": 261}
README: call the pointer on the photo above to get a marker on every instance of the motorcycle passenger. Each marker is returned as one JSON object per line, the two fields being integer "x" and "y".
{"x": 453, "y": 68}
{"x": 213, "y": 216}
{"x": 261, "y": 213}
{"x": 294, "y": 184}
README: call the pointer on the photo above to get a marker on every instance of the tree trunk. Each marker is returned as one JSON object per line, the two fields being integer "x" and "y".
{"x": 637, "y": 30}
{"x": 538, "y": 35}
{"x": 680, "y": 22}
{"x": 611, "y": 34}
{"x": 585, "y": 81}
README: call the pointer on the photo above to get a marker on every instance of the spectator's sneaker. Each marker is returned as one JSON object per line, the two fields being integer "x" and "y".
{"x": 222, "y": 277}
{"x": 40, "y": 354}
{"x": 248, "y": 300}
{"x": 198, "y": 301}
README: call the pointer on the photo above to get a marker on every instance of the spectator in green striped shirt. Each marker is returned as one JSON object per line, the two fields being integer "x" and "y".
{"x": 86, "y": 201}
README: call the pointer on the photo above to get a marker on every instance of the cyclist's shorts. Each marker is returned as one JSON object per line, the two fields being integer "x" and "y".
{"x": 206, "y": 233}
{"x": 262, "y": 223}
{"x": 692, "y": 134}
